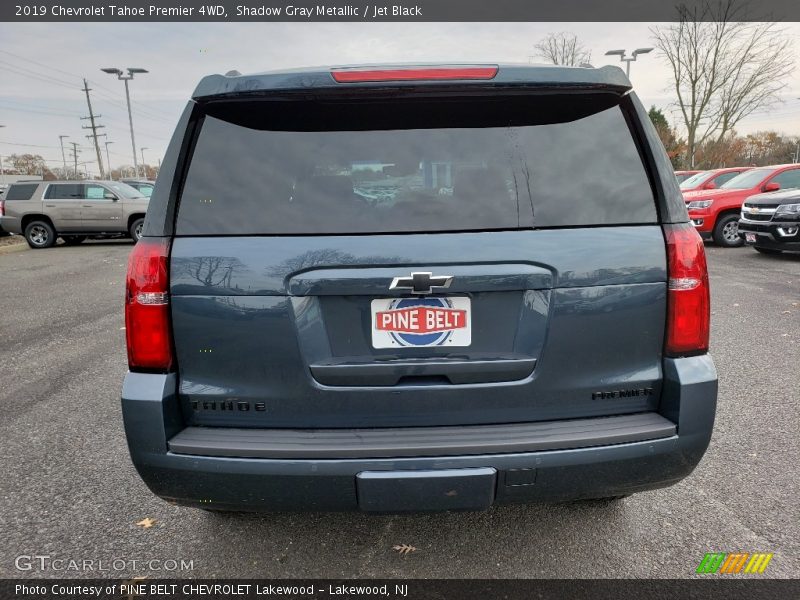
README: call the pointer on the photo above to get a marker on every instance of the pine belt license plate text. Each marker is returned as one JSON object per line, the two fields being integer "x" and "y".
{"x": 750, "y": 238}
{"x": 421, "y": 322}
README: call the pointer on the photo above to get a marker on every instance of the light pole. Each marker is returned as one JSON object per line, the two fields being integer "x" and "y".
{"x": 144, "y": 167}
{"x": 120, "y": 75}
{"x": 108, "y": 161}
{"x": 630, "y": 59}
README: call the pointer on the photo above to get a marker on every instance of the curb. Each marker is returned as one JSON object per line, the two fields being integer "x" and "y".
{"x": 13, "y": 248}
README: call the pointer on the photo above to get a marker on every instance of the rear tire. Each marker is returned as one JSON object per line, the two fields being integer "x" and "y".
{"x": 135, "y": 230}
{"x": 726, "y": 232}
{"x": 40, "y": 234}
{"x": 766, "y": 250}
{"x": 73, "y": 240}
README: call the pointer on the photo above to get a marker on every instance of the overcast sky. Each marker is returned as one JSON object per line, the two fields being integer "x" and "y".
{"x": 41, "y": 66}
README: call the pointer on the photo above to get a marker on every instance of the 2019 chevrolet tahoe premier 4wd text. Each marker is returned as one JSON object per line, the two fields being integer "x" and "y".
{"x": 416, "y": 288}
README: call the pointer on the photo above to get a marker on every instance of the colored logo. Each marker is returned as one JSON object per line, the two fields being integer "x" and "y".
{"x": 421, "y": 321}
{"x": 734, "y": 562}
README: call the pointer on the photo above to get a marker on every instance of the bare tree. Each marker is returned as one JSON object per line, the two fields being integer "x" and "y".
{"x": 562, "y": 48}
{"x": 723, "y": 67}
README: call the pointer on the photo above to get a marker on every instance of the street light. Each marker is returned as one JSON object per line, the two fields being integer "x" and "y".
{"x": 108, "y": 162}
{"x": 144, "y": 167}
{"x": 630, "y": 59}
{"x": 121, "y": 76}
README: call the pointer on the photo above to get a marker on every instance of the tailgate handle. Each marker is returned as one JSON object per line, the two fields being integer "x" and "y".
{"x": 423, "y": 372}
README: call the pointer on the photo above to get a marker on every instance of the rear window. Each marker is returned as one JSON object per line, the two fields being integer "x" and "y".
{"x": 20, "y": 191}
{"x": 340, "y": 168}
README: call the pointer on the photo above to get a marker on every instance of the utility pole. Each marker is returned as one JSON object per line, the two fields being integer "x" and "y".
{"x": 63, "y": 158}
{"x": 108, "y": 162}
{"x": 94, "y": 127}
{"x": 75, "y": 153}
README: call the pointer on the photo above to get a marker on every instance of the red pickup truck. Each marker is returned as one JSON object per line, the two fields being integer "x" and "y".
{"x": 715, "y": 213}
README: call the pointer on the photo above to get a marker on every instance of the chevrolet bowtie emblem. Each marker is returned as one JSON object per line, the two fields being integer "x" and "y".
{"x": 421, "y": 282}
{"x": 753, "y": 210}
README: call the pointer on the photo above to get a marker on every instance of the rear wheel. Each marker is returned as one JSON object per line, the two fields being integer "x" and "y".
{"x": 726, "y": 232}
{"x": 40, "y": 234}
{"x": 136, "y": 229}
{"x": 766, "y": 250}
{"x": 73, "y": 240}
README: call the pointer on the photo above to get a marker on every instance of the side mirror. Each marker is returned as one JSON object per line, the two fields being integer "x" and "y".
{"x": 771, "y": 187}
{"x": 710, "y": 185}
{"x": 110, "y": 196}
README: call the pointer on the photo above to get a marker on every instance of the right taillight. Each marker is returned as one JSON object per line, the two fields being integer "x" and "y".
{"x": 688, "y": 296}
{"x": 147, "y": 330}
{"x": 2, "y": 207}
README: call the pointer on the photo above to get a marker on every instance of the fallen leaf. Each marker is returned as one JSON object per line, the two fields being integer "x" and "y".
{"x": 786, "y": 312}
{"x": 147, "y": 522}
{"x": 404, "y": 548}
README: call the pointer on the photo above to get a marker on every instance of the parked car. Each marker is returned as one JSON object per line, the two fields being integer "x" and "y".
{"x": 145, "y": 186}
{"x": 45, "y": 210}
{"x": 771, "y": 222}
{"x": 3, "y": 232}
{"x": 715, "y": 213}
{"x": 364, "y": 297}
{"x": 682, "y": 176}
{"x": 710, "y": 180}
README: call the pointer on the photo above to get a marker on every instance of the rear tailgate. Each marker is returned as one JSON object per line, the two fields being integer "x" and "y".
{"x": 370, "y": 269}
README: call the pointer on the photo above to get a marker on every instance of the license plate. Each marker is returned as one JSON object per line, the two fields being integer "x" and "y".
{"x": 750, "y": 238}
{"x": 421, "y": 322}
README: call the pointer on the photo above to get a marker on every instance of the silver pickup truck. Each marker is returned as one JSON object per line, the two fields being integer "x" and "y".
{"x": 46, "y": 210}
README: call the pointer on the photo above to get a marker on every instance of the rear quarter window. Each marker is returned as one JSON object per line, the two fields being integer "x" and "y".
{"x": 20, "y": 191}
{"x": 527, "y": 164}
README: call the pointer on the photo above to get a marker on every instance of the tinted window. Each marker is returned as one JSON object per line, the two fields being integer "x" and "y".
{"x": 21, "y": 191}
{"x": 748, "y": 179}
{"x": 246, "y": 179}
{"x": 694, "y": 180}
{"x": 788, "y": 179}
{"x": 724, "y": 178}
{"x": 65, "y": 191}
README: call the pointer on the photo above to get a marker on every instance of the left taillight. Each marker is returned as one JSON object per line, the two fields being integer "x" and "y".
{"x": 688, "y": 295}
{"x": 147, "y": 328}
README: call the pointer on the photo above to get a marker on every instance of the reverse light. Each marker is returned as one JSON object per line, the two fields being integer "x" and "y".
{"x": 147, "y": 329}
{"x": 688, "y": 293}
{"x": 364, "y": 75}
{"x": 699, "y": 204}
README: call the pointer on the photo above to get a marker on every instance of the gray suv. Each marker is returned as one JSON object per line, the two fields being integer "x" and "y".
{"x": 73, "y": 210}
{"x": 416, "y": 288}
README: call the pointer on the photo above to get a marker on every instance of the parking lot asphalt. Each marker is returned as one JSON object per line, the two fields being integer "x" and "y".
{"x": 70, "y": 492}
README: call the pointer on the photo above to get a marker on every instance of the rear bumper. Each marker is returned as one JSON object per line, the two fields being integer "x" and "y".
{"x": 438, "y": 482}
{"x": 10, "y": 224}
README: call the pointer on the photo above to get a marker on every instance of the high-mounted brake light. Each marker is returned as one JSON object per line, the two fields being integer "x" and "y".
{"x": 147, "y": 330}
{"x": 688, "y": 295}
{"x": 363, "y": 75}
